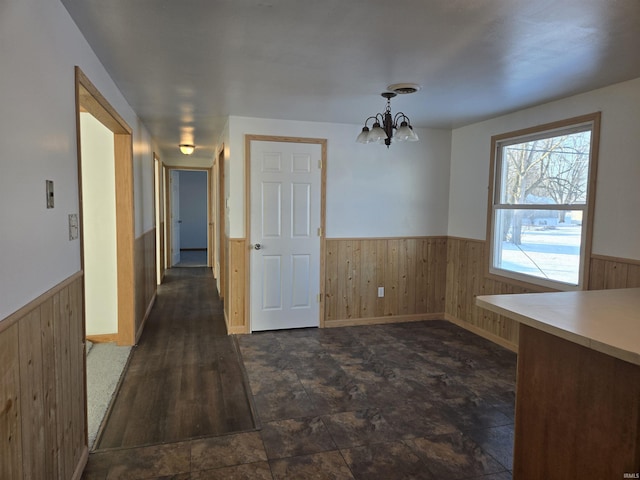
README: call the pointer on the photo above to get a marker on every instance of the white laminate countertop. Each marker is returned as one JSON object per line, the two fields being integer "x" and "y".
{"x": 604, "y": 320}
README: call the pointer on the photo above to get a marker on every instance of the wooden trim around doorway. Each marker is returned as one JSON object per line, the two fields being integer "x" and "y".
{"x": 247, "y": 215}
{"x": 89, "y": 99}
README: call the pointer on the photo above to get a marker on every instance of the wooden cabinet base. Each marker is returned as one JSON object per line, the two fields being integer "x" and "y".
{"x": 577, "y": 411}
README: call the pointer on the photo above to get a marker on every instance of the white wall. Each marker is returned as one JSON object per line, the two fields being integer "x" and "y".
{"x": 372, "y": 191}
{"x": 99, "y": 226}
{"x": 39, "y": 47}
{"x": 616, "y": 222}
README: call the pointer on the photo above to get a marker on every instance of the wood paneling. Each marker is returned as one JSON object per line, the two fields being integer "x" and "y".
{"x": 42, "y": 389}
{"x": 145, "y": 274}
{"x": 466, "y": 278}
{"x": 10, "y": 414}
{"x": 411, "y": 270}
{"x": 613, "y": 272}
{"x": 600, "y": 437}
{"x": 235, "y": 303}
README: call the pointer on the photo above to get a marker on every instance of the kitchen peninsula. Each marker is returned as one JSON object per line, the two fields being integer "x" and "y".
{"x": 578, "y": 383}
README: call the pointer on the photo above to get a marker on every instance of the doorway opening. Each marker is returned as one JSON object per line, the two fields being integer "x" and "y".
{"x": 189, "y": 211}
{"x": 105, "y": 176}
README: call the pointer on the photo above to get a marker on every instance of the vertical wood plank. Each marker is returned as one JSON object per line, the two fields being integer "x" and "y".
{"x": 422, "y": 276}
{"x": 63, "y": 383}
{"x": 382, "y": 252}
{"x": 407, "y": 277}
{"x": 237, "y": 286}
{"x": 633, "y": 276}
{"x": 32, "y": 395}
{"x": 10, "y": 411}
{"x": 596, "y": 274}
{"x": 331, "y": 281}
{"x": 49, "y": 386}
{"x": 615, "y": 275}
{"x": 354, "y": 286}
{"x": 368, "y": 286}
{"x": 76, "y": 373}
{"x": 392, "y": 281}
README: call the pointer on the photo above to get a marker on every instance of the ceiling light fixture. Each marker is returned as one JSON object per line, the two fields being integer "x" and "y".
{"x": 186, "y": 149}
{"x": 387, "y": 126}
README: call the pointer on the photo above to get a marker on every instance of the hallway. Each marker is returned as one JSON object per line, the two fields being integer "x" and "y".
{"x": 423, "y": 400}
{"x": 184, "y": 379}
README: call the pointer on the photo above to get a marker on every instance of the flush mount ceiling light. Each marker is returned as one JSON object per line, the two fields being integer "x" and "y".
{"x": 186, "y": 149}
{"x": 387, "y": 126}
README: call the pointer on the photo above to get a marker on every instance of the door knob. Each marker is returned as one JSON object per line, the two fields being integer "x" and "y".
{"x": 257, "y": 246}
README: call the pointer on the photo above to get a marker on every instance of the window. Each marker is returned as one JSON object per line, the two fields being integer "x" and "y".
{"x": 541, "y": 199}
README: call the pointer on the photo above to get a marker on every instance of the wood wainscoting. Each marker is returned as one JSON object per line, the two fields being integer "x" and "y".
{"x": 613, "y": 272}
{"x": 424, "y": 278}
{"x": 42, "y": 387}
{"x": 146, "y": 278}
{"x": 466, "y": 278}
{"x": 411, "y": 270}
{"x": 236, "y": 301}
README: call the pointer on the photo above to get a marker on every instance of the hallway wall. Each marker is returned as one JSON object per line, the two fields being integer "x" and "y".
{"x": 38, "y": 135}
{"x": 41, "y": 308}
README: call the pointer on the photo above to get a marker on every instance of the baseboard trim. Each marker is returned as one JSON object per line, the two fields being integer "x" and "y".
{"x": 235, "y": 330}
{"x": 82, "y": 463}
{"x": 482, "y": 333}
{"x": 238, "y": 330}
{"x": 354, "y": 322}
{"x": 103, "y": 338}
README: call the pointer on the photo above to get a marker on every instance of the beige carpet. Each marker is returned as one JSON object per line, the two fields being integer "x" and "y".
{"x": 105, "y": 364}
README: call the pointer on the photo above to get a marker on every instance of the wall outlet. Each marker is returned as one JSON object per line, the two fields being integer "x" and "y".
{"x": 380, "y": 292}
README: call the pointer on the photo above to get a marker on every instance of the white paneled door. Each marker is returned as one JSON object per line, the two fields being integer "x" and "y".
{"x": 285, "y": 239}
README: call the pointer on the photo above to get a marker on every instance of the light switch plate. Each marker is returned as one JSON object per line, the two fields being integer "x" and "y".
{"x": 73, "y": 226}
{"x": 49, "y": 184}
{"x": 380, "y": 292}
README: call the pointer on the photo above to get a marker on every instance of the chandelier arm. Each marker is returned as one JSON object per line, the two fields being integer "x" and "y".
{"x": 398, "y": 116}
{"x": 374, "y": 117}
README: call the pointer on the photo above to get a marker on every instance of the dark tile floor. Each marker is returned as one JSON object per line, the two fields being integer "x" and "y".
{"x": 424, "y": 400}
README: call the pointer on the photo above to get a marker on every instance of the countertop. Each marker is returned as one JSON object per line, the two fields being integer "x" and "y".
{"x": 607, "y": 321}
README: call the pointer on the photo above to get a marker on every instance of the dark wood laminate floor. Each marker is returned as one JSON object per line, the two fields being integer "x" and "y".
{"x": 185, "y": 378}
{"x": 424, "y": 400}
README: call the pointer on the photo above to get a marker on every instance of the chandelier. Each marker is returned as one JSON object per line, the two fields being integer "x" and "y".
{"x": 387, "y": 126}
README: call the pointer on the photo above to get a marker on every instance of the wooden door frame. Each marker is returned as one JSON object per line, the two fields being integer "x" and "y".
{"x": 209, "y": 172}
{"x": 222, "y": 226}
{"x": 247, "y": 214}
{"x": 89, "y": 99}
{"x": 159, "y": 216}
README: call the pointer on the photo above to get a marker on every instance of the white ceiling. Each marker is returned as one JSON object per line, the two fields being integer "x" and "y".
{"x": 185, "y": 65}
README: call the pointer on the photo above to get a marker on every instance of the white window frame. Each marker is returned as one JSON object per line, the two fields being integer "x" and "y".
{"x": 498, "y": 142}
